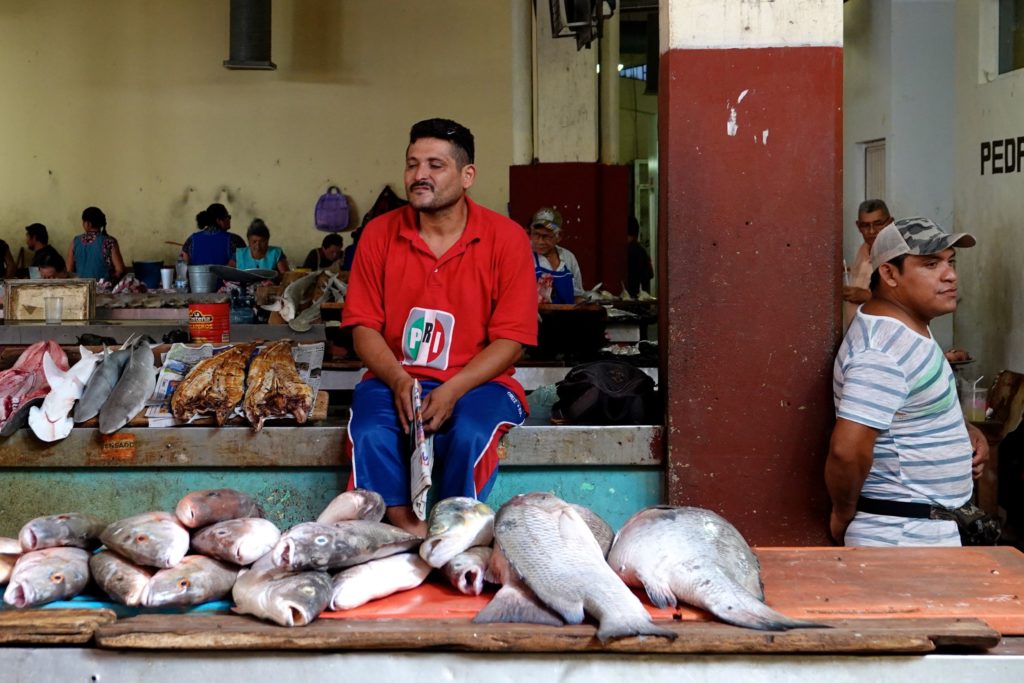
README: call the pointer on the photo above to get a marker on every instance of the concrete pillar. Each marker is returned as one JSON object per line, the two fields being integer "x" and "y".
{"x": 750, "y": 146}
{"x": 609, "y": 91}
{"x": 565, "y": 128}
{"x": 522, "y": 80}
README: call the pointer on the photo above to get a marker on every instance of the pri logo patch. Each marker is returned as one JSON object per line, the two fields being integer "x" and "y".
{"x": 427, "y": 338}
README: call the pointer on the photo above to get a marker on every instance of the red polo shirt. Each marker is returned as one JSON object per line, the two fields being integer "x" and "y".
{"x": 437, "y": 314}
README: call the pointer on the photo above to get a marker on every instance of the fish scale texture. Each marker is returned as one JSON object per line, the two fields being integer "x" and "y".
{"x": 552, "y": 549}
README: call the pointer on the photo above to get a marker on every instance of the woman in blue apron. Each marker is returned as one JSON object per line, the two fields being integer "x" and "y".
{"x": 259, "y": 253}
{"x": 94, "y": 253}
{"x": 558, "y": 273}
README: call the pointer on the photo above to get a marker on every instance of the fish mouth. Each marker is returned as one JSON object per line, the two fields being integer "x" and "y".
{"x": 294, "y": 615}
{"x": 28, "y": 539}
{"x": 284, "y": 553}
{"x": 18, "y": 595}
{"x": 471, "y": 582}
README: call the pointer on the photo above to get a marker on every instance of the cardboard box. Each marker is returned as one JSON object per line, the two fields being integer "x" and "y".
{"x": 23, "y": 299}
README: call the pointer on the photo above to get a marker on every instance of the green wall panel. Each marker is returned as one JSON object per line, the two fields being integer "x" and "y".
{"x": 289, "y": 496}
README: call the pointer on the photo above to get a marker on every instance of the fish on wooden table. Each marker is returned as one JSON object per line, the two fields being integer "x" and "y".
{"x": 376, "y": 579}
{"x": 152, "y": 539}
{"x": 275, "y": 387}
{"x": 26, "y": 380}
{"x": 455, "y": 525}
{"x": 209, "y": 506}
{"x": 355, "y": 504}
{"x": 7, "y": 562}
{"x": 120, "y": 579}
{"x": 333, "y": 546}
{"x": 193, "y": 581}
{"x": 695, "y": 556}
{"x": 548, "y": 543}
{"x": 133, "y": 389}
{"x": 515, "y": 602}
{"x": 50, "y": 421}
{"x": 10, "y": 551}
{"x": 10, "y": 546}
{"x": 75, "y": 529}
{"x": 467, "y": 571}
{"x": 215, "y": 385}
{"x": 102, "y": 382}
{"x": 281, "y": 596}
{"x": 43, "y": 576}
{"x": 241, "y": 541}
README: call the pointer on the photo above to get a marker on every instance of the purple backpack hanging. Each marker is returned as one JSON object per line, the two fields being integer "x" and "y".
{"x": 331, "y": 213}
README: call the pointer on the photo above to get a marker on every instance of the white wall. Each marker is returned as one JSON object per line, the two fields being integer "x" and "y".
{"x": 898, "y": 71}
{"x": 990, "y": 320}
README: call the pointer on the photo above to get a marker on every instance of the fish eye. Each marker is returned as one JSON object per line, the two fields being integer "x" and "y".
{"x": 308, "y": 590}
{"x": 183, "y": 584}
{"x": 320, "y": 540}
{"x": 141, "y": 538}
{"x": 57, "y": 578}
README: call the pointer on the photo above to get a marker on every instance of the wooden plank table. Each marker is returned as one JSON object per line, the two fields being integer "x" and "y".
{"x": 231, "y": 632}
{"x": 51, "y": 626}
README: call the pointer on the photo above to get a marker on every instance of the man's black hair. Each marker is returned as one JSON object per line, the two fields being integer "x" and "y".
{"x": 96, "y": 218}
{"x": 37, "y": 231}
{"x": 51, "y": 259}
{"x": 332, "y": 240}
{"x": 872, "y": 205}
{"x": 202, "y": 220}
{"x": 876, "y": 279}
{"x": 632, "y": 226}
{"x": 446, "y": 129}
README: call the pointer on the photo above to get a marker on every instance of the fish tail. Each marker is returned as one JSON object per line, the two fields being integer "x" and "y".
{"x": 512, "y": 606}
{"x": 735, "y": 605}
{"x": 625, "y": 626}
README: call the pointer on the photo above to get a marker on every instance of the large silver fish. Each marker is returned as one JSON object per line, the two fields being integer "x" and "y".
{"x": 692, "y": 555}
{"x": 323, "y": 547}
{"x": 123, "y": 581}
{"x": 278, "y": 595}
{"x": 514, "y": 602}
{"x": 193, "y": 581}
{"x": 102, "y": 382}
{"x": 209, "y": 506}
{"x": 153, "y": 539}
{"x": 359, "y": 585}
{"x": 133, "y": 389}
{"x": 355, "y": 504}
{"x": 241, "y": 541}
{"x": 75, "y": 529}
{"x": 43, "y": 576}
{"x": 456, "y": 525}
{"x": 548, "y": 543}
{"x": 468, "y": 570}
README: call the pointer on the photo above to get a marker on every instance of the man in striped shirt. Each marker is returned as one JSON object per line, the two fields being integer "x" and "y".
{"x": 901, "y": 445}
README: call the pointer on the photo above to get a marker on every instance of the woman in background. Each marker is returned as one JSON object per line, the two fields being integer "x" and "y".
{"x": 259, "y": 253}
{"x": 94, "y": 253}
{"x": 10, "y": 269}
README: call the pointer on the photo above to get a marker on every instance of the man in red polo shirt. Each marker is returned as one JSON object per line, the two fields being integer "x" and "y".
{"x": 442, "y": 290}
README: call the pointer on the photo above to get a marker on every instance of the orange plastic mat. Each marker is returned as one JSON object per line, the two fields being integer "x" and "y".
{"x": 816, "y": 583}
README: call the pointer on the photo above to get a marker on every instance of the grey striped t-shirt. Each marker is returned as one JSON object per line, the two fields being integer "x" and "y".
{"x": 890, "y": 378}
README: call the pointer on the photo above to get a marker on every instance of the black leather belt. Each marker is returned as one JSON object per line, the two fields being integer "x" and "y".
{"x": 895, "y": 508}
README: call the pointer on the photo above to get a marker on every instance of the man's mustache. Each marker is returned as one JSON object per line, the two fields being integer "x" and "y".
{"x": 421, "y": 183}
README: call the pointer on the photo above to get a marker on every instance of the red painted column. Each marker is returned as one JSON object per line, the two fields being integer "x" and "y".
{"x": 751, "y": 200}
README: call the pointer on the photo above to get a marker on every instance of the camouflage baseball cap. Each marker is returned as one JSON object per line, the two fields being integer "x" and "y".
{"x": 916, "y": 236}
{"x": 547, "y": 217}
